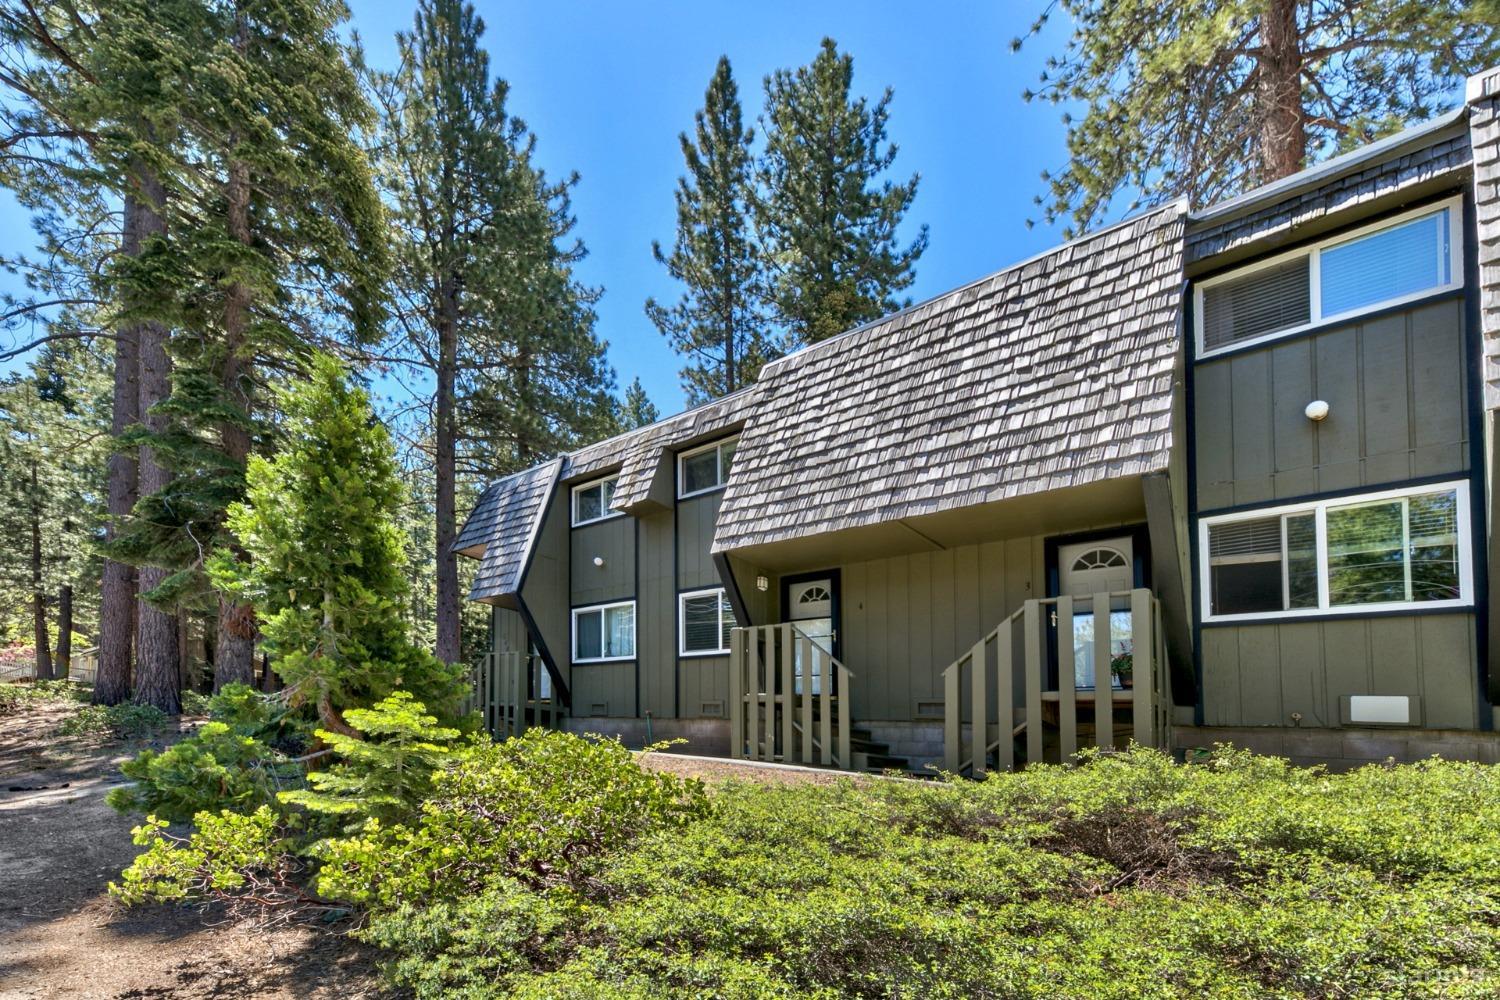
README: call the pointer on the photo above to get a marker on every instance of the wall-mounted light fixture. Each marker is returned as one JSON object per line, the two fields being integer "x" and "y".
{"x": 762, "y": 584}
{"x": 599, "y": 561}
{"x": 1316, "y": 410}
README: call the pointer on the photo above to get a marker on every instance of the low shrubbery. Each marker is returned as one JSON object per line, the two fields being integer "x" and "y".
{"x": 126, "y": 721}
{"x": 14, "y": 697}
{"x": 553, "y": 866}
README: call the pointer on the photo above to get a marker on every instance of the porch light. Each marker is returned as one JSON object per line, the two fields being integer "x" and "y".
{"x": 762, "y": 584}
{"x": 599, "y": 561}
{"x": 1316, "y": 410}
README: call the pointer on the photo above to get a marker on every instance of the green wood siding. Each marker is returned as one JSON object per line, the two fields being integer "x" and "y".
{"x": 510, "y": 632}
{"x": 545, "y": 589}
{"x": 656, "y": 629}
{"x": 614, "y": 542}
{"x": 1259, "y": 675}
{"x": 905, "y": 618}
{"x": 695, "y": 538}
{"x": 1397, "y": 410}
{"x": 604, "y": 690}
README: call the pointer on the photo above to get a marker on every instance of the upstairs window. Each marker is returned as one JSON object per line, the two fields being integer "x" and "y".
{"x": 703, "y": 469}
{"x": 591, "y": 501}
{"x": 705, "y": 618}
{"x": 1385, "y": 264}
{"x": 1381, "y": 551}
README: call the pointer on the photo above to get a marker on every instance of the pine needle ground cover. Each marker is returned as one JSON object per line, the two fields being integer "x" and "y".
{"x": 553, "y": 866}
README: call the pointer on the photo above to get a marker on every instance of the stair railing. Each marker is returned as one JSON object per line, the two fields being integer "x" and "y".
{"x": 507, "y": 693}
{"x": 789, "y": 698}
{"x": 1019, "y": 644}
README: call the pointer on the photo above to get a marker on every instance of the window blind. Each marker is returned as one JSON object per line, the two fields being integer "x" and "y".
{"x": 1271, "y": 299}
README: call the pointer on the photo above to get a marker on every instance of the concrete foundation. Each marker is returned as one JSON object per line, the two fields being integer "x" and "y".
{"x": 1345, "y": 749}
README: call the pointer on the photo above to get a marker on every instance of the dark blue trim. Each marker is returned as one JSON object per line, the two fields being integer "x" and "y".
{"x": 1190, "y": 428}
{"x": 1357, "y": 319}
{"x": 1479, "y": 526}
{"x": 1352, "y": 615}
{"x": 835, "y": 609}
{"x": 1457, "y": 475}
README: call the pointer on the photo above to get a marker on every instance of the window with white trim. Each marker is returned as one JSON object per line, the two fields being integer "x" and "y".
{"x": 604, "y": 632}
{"x": 1384, "y": 551}
{"x": 1384, "y": 264}
{"x": 591, "y": 501}
{"x": 703, "y": 469}
{"x": 704, "y": 621}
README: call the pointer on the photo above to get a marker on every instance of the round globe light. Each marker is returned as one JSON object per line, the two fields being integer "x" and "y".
{"x": 1316, "y": 410}
{"x": 598, "y": 560}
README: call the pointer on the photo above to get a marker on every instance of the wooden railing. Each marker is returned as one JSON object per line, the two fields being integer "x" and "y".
{"x": 788, "y": 698}
{"x": 1011, "y": 691}
{"x": 506, "y": 689}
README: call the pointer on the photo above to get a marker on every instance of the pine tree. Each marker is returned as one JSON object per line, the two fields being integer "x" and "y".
{"x": 82, "y": 131}
{"x": 720, "y": 322}
{"x": 271, "y": 203}
{"x": 1207, "y": 98}
{"x": 828, "y": 220}
{"x": 327, "y": 571}
{"x": 486, "y": 301}
{"x": 53, "y": 440}
{"x": 637, "y": 410}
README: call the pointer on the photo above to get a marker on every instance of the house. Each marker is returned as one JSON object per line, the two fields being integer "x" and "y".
{"x": 1208, "y": 474}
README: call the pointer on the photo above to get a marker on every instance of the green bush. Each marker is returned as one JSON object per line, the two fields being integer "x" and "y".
{"x": 552, "y": 866}
{"x": 126, "y": 721}
{"x": 538, "y": 811}
{"x": 238, "y": 760}
{"x": 14, "y": 697}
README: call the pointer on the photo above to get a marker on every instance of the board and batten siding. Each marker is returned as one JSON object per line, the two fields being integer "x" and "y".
{"x": 906, "y": 618}
{"x": 601, "y": 689}
{"x": 656, "y": 621}
{"x": 703, "y": 681}
{"x": 1398, "y": 396}
{"x": 1398, "y": 409}
{"x": 1259, "y": 675}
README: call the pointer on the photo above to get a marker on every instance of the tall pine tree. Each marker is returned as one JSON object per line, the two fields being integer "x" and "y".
{"x": 827, "y": 217}
{"x": 275, "y": 226}
{"x": 637, "y": 410}
{"x": 720, "y": 322}
{"x": 1209, "y": 97}
{"x": 486, "y": 304}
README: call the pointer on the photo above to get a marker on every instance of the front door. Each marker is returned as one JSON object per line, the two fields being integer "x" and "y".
{"x": 1085, "y": 568}
{"x": 811, "y": 604}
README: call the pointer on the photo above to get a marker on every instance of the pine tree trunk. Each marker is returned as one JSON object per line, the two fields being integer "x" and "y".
{"x": 157, "y": 664}
{"x": 64, "y": 631}
{"x": 234, "y": 648}
{"x": 446, "y": 445}
{"x": 38, "y": 599}
{"x": 1283, "y": 127}
{"x": 117, "y": 594}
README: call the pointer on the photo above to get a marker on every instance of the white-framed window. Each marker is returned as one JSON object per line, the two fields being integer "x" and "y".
{"x": 1386, "y": 551}
{"x": 1384, "y": 264}
{"x": 704, "y": 621}
{"x": 604, "y": 632}
{"x": 591, "y": 501}
{"x": 701, "y": 470}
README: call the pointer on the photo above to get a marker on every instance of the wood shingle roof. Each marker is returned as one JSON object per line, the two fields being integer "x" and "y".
{"x": 502, "y": 528}
{"x": 1052, "y": 373}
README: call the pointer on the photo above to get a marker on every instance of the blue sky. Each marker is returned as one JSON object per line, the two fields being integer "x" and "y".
{"x": 607, "y": 87}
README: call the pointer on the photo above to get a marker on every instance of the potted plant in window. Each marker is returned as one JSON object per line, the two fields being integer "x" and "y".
{"x": 1122, "y": 666}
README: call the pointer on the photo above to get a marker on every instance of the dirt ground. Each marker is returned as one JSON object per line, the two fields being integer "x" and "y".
{"x": 62, "y": 936}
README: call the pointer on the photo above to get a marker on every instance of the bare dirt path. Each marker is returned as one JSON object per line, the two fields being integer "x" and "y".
{"x": 62, "y": 936}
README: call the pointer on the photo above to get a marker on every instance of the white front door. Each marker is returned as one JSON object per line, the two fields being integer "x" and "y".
{"x": 1086, "y": 568}
{"x": 810, "y": 610}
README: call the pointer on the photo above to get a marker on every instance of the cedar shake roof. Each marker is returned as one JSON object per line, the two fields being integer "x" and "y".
{"x": 502, "y": 528}
{"x": 1399, "y": 163}
{"x": 1055, "y": 372}
{"x": 643, "y": 456}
